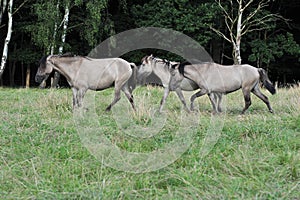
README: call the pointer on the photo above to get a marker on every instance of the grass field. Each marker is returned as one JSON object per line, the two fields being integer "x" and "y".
{"x": 42, "y": 155}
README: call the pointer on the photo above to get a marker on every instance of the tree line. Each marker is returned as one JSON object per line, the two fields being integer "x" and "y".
{"x": 262, "y": 33}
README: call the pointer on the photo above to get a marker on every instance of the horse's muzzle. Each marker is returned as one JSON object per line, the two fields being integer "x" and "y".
{"x": 40, "y": 78}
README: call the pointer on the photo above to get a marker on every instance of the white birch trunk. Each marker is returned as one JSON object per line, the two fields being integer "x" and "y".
{"x": 63, "y": 39}
{"x": 52, "y": 46}
{"x": 237, "y": 45}
{"x": 7, "y": 39}
{"x": 27, "y": 76}
{"x": 55, "y": 30}
{"x": 65, "y": 27}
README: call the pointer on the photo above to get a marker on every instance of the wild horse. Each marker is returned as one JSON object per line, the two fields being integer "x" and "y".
{"x": 212, "y": 77}
{"x": 83, "y": 73}
{"x": 161, "y": 68}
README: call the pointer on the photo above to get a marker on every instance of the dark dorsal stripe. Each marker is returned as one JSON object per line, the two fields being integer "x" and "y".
{"x": 183, "y": 64}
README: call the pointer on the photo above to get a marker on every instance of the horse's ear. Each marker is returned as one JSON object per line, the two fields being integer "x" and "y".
{"x": 167, "y": 62}
{"x": 148, "y": 58}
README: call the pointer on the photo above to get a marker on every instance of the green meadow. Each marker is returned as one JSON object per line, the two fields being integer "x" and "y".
{"x": 253, "y": 156}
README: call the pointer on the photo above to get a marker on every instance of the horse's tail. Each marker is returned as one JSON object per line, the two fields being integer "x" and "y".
{"x": 266, "y": 81}
{"x": 134, "y": 70}
{"x": 132, "y": 82}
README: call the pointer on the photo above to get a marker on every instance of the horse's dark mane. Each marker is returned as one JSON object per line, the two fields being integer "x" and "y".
{"x": 43, "y": 61}
{"x": 164, "y": 61}
{"x": 71, "y": 55}
{"x": 68, "y": 54}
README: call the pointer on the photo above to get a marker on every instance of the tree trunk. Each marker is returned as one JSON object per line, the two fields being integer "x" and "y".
{"x": 237, "y": 43}
{"x": 12, "y": 74}
{"x": 28, "y": 76}
{"x": 53, "y": 44}
{"x": 216, "y": 51}
{"x": 13, "y": 70}
{"x": 22, "y": 74}
{"x": 7, "y": 39}
{"x": 63, "y": 39}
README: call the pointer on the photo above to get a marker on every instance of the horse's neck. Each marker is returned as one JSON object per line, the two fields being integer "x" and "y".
{"x": 69, "y": 70}
{"x": 162, "y": 72}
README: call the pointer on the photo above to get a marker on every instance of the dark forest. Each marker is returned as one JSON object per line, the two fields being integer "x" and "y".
{"x": 38, "y": 28}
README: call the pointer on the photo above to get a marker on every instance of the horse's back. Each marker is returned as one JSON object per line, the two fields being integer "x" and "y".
{"x": 105, "y": 62}
{"x": 228, "y": 78}
{"x": 104, "y": 73}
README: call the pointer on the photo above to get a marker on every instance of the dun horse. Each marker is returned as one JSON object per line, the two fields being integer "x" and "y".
{"x": 83, "y": 73}
{"x": 212, "y": 77}
{"x": 161, "y": 68}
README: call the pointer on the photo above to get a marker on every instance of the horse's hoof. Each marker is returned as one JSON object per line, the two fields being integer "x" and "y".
{"x": 195, "y": 111}
{"x": 188, "y": 110}
{"x": 271, "y": 111}
{"x": 214, "y": 113}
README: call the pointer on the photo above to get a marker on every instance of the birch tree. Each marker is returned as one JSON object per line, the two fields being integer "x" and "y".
{"x": 238, "y": 22}
{"x": 7, "y": 39}
{"x": 50, "y": 26}
{"x": 65, "y": 22}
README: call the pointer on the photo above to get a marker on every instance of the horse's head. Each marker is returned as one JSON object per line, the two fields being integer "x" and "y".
{"x": 145, "y": 69}
{"x": 45, "y": 68}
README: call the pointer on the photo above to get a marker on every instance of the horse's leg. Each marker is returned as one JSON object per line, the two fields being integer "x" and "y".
{"x": 164, "y": 98}
{"x": 260, "y": 95}
{"x": 196, "y": 95}
{"x": 80, "y": 94}
{"x": 213, "y": 101}
{"x": 129, "y": 96}
{"x": 75, "y": 101}
{"x": 181, "y": 97}
{"x": 247, "y": 99}
{"x": 116, "y": 98}
{"x": 219, "y": 96}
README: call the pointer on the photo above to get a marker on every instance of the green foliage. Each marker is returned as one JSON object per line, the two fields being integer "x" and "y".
{"x": 273, "y": 47}
{"x": 289, "y": 45}
{"x": 190, "y": 17}
{"x": 91, "y": 31}
{"x": 25, "y": 55}
{"x": 45, "y": 15}
{"x": 91, "y": 22}
{"x": 48, "y": 18}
